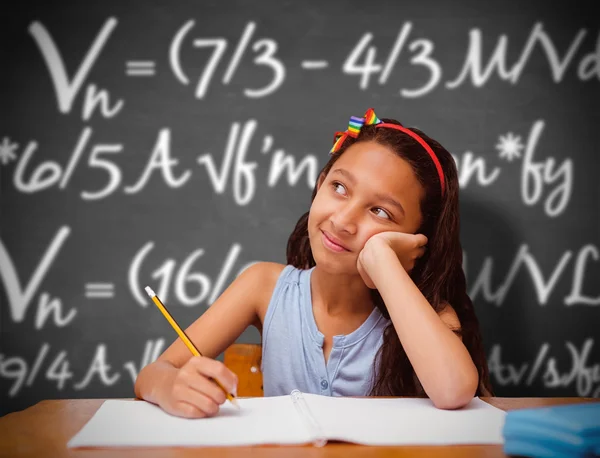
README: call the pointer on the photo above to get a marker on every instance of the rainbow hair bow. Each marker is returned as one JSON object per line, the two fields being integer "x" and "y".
{"x": 370, "y": 119}
{"x": 354, "y": 127}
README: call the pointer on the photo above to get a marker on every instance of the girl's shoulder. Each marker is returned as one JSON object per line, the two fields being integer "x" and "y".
{"x": 266, "y": 271}
{"x": 265, "y": 276}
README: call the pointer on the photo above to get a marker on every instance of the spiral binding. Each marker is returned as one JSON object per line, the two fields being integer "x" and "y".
{"x": 319, "y": 439}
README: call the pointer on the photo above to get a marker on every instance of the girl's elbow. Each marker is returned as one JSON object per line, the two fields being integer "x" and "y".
{"x": 456, "y": 397}
{"x": 453, "y": 401}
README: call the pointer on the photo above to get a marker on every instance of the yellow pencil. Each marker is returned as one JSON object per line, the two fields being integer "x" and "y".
{"x": 186, "y": 340}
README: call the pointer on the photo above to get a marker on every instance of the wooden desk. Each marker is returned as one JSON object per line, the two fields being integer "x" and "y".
{"x": 45, "y": 428}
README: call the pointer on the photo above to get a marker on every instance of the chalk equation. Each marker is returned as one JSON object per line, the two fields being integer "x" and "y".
{"x": 582, "y": 374}
{"x": 543, "y": 181}
{"x": 228, "y": 170}
{"x": 181, "y": 277}
{"x": 361, "y": 62}
{"x": 52, "y": 366}
{"x": 192, "y": 286}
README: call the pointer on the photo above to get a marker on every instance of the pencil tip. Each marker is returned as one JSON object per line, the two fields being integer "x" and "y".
{"x": 149, "y": 291}
{"x": 234, "y": 402}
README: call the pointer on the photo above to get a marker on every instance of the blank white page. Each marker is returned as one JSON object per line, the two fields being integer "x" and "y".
{"x": 123, "y": 423}
{"x": 397, "y": 421}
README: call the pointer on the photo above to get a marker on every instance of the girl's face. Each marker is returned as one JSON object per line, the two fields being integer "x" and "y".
{"x": 368, "y": 190}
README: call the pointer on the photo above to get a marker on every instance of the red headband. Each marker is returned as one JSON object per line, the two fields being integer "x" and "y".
{"x": 371, "y": 119}
{"x": 424, "y": 144}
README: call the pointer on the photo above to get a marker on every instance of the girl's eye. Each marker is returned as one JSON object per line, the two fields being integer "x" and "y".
{"x": 381, "y": 213}
{"x": 337, "y": 187}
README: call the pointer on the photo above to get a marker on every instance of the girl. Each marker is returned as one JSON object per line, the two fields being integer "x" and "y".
{"x": 373, "y": 300}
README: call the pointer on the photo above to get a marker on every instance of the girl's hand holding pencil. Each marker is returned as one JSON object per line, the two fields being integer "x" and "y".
{"x": 197, "y": 388}
{"x": 189, "y": 392}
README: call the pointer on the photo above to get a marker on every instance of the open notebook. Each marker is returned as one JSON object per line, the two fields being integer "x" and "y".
{"x": 299, "y": 418}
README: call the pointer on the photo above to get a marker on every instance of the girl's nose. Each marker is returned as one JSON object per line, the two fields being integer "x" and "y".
{"x": 345, "y": 219}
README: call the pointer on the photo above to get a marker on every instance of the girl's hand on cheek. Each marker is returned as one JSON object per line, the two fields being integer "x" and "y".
{"x": 406, "y": 247}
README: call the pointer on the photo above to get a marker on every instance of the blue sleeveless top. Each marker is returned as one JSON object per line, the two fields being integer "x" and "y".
{"x": 292, "y": 346}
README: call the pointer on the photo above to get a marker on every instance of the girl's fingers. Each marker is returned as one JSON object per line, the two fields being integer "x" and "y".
{"x": 196, "y": 405}
{"x": 217, "y": 370}
{"x": 364, "y": 275}
{"x": 421, "y": 240}
{"x": 186, "y": 410}
{"x": 208, "y": 388}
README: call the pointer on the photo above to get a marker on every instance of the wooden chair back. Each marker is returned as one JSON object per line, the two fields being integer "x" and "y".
{"x": 245, "y": 361}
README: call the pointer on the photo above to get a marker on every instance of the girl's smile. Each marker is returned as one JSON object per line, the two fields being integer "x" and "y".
{"x": 332, "y": 243}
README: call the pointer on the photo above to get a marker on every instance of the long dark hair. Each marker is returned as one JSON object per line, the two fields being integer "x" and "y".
{"x": 438, "y": 273}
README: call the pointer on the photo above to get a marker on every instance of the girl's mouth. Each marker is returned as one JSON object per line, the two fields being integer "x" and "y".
{"x": 331, "y": 245}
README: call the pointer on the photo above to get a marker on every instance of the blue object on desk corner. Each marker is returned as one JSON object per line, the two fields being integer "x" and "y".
{"x": 571, "y": 430}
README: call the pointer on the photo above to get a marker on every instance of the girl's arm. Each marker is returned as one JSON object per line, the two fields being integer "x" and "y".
{"x": 237, "y": 308}
{"x": 225, "y": 320}
{"x": 440, "y": 359}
